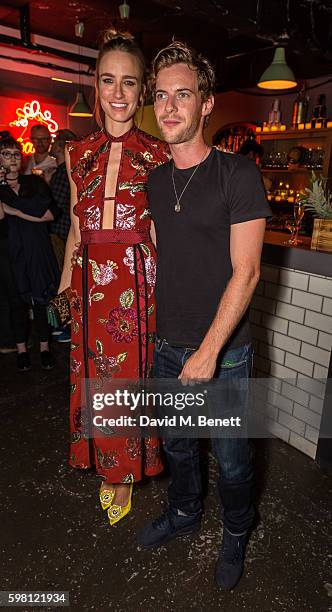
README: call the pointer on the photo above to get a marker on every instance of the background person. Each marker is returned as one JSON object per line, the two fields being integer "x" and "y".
{"x": 59, "y": 228}
{"x": 28, "y": 205}
{"x": 41, "y": 163}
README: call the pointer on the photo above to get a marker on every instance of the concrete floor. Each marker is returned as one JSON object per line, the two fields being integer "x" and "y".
{"x": 54, "y": 535}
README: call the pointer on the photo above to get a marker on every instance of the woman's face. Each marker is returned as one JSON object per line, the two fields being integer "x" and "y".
{"x": 119, "y": 85}
{"x": 10, "y": 160}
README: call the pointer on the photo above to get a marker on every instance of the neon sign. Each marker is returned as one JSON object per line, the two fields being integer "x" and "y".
{"x": 31, "y": 111}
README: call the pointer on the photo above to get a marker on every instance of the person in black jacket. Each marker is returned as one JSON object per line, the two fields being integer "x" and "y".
{"x": 27, "y": 204}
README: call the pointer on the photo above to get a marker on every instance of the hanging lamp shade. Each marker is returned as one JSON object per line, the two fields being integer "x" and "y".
{"x": 80, "y": 108}
{"x": 278, "y": 75}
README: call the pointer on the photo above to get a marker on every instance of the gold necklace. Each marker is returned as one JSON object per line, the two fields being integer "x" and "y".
{"x": 177, "y": 206}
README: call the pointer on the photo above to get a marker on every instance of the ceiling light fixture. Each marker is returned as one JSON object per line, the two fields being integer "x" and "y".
{"x": 61, "y": 80}
{"x": 278, "y": 74}
{"x": 124, "y": 10}
{"x": 80, "y": 108}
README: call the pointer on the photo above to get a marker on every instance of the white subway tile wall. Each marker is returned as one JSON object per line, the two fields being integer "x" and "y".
{"x": 291, "y": 324}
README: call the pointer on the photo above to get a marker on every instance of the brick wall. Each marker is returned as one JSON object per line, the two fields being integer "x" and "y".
{"x": 291, "y": 320}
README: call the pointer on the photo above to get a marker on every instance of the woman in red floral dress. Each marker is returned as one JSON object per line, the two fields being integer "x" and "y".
{"x": 114, "y": 274}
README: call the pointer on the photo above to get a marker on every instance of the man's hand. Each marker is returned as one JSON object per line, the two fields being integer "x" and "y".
{"x": 199, "y": 367}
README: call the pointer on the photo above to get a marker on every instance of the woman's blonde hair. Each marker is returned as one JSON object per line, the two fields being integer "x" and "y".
{"x": 111, "y": 40}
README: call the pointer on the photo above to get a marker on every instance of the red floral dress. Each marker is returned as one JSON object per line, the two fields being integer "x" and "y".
{"x": 113, "y": 307}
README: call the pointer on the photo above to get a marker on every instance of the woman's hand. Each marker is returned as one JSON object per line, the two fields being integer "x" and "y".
{"x": 2, "y": 212}
{"x": 47, "y": 216}
{"x": 2, "y": 174}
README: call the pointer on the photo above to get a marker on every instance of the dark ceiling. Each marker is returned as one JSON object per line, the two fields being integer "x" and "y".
{"x": 237, "y": 35}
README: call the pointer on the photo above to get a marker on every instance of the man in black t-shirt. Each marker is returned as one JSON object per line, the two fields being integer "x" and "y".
{"x": 209, "y": 211}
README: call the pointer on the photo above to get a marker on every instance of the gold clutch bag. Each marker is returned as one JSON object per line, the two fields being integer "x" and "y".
{"x": 58, "y": 310}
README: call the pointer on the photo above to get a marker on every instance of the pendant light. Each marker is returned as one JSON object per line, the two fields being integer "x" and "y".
{"x": 80, "y": 108}
{"x": 278, "y": 75}
{"x": 124, "y": 10}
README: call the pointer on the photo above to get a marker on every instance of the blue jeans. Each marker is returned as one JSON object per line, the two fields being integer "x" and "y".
{"x": 234, "y": 456}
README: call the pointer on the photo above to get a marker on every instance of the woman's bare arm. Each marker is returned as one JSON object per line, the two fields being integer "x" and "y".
{"x": 15, "y": 212}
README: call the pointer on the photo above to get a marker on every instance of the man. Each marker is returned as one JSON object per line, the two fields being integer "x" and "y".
{"x": 41, "y": 162}
{"x": 209, "y": 211}
{"x": 59, "y": 184}
{"x": 59, "y": 229}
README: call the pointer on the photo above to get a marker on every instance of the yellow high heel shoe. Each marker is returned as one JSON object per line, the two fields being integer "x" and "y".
{"x": 106, "y": 496}
{"x": 116, "y": 513}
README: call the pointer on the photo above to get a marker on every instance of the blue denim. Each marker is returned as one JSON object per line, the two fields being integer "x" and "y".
{"x": 234, "y": 456}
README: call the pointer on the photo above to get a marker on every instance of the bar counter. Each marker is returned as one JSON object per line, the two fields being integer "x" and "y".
{"x": 291, "y": 319}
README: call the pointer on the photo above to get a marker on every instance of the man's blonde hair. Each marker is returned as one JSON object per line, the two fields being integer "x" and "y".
{"x": 178, "y": 52}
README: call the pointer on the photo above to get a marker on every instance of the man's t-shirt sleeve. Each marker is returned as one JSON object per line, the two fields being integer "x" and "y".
{"x": 246, "y": 195}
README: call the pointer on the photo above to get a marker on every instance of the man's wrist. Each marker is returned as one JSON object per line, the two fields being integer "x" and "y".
{"x": 209, "y": 350}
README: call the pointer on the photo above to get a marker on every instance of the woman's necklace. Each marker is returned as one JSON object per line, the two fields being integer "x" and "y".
{"x": 177, "y": 206}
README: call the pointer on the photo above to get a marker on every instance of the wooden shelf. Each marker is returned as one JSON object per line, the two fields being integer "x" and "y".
{"x": 291, "y": 170}
{"x": 294, "y": 134}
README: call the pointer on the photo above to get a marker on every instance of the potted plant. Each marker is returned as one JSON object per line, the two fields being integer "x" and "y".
{"x": 318, "y": 200}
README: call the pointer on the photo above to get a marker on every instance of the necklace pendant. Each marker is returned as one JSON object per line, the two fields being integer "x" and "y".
{"x": 177, "y": 207}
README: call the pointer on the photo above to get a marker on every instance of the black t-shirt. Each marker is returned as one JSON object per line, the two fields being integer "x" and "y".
{"x": 193, "y": 254}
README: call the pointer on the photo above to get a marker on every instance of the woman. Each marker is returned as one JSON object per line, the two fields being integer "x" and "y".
{"x": 28, "y": 205}
{"x": 114, "y": 274}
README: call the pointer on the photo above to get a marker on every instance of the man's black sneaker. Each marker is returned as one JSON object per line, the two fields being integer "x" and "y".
{"x": 23, "y": 362}
{"x": 169, "y": 525}
{"x": 47, "y": 360}
{"x": 229, "y": 567}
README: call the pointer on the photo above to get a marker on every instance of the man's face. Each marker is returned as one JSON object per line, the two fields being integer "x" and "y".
{"x": 178, "y": 105}
{"x": 41, "y": 139}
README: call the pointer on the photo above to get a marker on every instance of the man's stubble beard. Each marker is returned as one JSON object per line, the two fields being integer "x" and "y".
{"x": 185, "y": 135}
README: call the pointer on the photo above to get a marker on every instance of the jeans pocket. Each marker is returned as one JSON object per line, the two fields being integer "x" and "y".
{"x": 236, "y": 358}
{"x": 159, "y": 343}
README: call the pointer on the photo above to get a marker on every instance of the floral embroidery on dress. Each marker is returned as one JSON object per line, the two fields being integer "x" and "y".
{"x": 75, "y": 366}
{"x": 129, "y": 259}
{"x": 152, "y": 452}
{"x": 106, "y": 366}
{"x": 87, "y": 191}
{"x": 125, "y": 216}
{"x": 108, "y": 460}
{"x": 133, "y": 448}
{"x": 92, "y": 217}
{"x": 76, "y": 302}
{"x": 122, "y": 324}
{"x": 142, "y": 162}
{"x": 133, "y": 188}
{"x": 149, "y": 263}
{"x": 146, "y": 213}
{"x": 102, "y": 274}
{"x": 86, "y": 164}
{"x": 127, "y": 298}
{"x": 151, "y": 272}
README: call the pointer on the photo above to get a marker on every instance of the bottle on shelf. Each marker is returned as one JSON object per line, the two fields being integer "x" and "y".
{"x": 275, "y": 114}
{"x": 319, "y": 114}
{"x": 300, "y": 108}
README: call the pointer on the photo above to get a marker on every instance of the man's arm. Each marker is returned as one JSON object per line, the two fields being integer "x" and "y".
{"x": 246, "y": 241}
